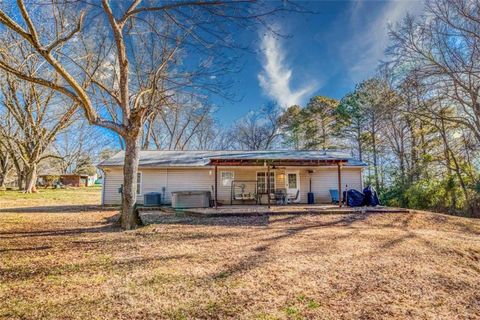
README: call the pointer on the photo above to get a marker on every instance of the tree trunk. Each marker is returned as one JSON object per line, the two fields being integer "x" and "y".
{"x": 451, "y": 190}
{"x": 31, "y": 179}
{"x": 4, "y": 161}
{"x": 412, "y": 175}
{"x": 402, "y": 168}
{"x": 129, "y": 218}
{"x": 375, "y": 161}
{"x": 360, "y": 148}
{"x": 20, "y": 179}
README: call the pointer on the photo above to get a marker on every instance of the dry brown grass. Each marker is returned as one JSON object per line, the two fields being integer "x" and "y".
{"x": 78, "y": 265}
{"x": 50, "y": 197}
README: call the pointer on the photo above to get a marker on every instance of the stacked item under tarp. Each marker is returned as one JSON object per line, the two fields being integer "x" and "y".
{"x": 371, "y": 197}
{"x": 355, "y": 198}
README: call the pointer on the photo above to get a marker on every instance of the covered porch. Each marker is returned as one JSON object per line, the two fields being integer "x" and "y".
{"x": 273, "y": 181}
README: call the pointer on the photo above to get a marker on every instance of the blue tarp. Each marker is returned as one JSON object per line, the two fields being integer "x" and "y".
{"x": 356, "y": 198}
{"x": 371, "y": 198}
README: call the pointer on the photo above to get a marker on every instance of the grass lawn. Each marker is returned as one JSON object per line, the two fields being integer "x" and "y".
{"x": 55, "y": 197}
{"x": 77, "y": 265}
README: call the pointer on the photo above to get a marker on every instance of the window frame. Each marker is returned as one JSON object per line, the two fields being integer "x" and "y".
{"x": 139, "y": 185}
{"x": 231, "y": 179}
{"x": 272, "y": 187}
{"x": 296, "y": 180}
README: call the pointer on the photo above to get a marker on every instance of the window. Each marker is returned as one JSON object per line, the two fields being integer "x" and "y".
{"x": 227, "y": 178}
{"x": 292, "y": 181}
{"x": 262, "y": 182}
{"x": 139, "y": 183}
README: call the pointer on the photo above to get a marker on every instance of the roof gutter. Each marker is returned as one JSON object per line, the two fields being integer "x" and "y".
{"x": 275, "y": 162}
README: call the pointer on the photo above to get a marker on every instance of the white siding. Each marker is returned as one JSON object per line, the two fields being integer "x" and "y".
{"x": 174, "y": 179}
{"x": 112, "y": 181}
{"x": 189, "y": 180}
{"x": 324, "y": 179}
{"x": 154, "y": 180}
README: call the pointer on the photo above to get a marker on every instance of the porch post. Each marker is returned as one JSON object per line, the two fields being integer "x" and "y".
{"x": 268, "y": 184}
{"x": 216, "y": 183}
{"x": 340, "y": 194}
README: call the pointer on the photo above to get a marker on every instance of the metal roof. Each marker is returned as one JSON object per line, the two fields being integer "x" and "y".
{"x": 203, "y": 158}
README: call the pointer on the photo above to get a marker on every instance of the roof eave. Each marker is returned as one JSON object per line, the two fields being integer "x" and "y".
{"x": 275, "y": 162}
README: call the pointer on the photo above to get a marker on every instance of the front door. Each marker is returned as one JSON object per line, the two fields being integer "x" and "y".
{"x": 292, "y": 183}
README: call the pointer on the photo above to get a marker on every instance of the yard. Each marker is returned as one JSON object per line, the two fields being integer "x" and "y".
{"x": 63, "y": 258}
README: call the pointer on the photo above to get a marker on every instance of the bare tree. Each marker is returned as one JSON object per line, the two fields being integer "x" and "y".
{"x": 178, "y": 124}
{"x": 450, "y": 68}
{"x": 258, "y": 130}
{"x": 208, "y": 136}
{"x": 95, "y": 50}
{"x": 435, "y": 61}
{"x": 78, "y": 141}
{"x": 5, "y": 165}
{"x": 12, "y": 154}
{"x": 38, "y": 118}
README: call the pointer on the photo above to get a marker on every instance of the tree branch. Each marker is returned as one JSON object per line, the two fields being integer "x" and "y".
{"x": 68, "y": 36}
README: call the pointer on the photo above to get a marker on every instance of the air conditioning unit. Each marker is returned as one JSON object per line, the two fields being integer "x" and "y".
{"x": 152, "y": 199}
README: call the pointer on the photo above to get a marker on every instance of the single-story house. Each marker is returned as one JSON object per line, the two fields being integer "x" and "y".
{"x": 71, "y": 180}
{"x": 236, "y": 177}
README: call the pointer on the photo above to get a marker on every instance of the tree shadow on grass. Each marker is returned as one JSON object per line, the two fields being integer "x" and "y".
{"x": 261, "y": 220}
{"x": 108, "y": 224}
{"x": 405, "y": 225}
{"x": 66, "y": 269}
{"x": 26, "y": 249}
{"x": 253, "y": 221}
{"x": 198, "y": 236}
{"x": 394, "y": 242}
{"x": 465, "y": 227}
{"x": 345, "y": 221}
{"x": 260, "y": 253}
{"x": 59, "y": 209}
{"x": 59, "y": 232}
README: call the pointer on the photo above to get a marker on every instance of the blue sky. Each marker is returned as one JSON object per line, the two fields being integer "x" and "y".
{"x": 323, "y": 54}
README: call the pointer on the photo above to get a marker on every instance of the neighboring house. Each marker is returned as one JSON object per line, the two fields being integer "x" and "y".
{"x": 244, "y": 171}
{"x": 71, "y": 180}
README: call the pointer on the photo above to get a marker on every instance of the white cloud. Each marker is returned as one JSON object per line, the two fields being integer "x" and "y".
{"x": 368, "y": 42}
{"x": 275, "y": 77}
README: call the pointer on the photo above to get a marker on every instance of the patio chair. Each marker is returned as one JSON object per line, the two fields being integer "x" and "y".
{"x": 280, "y": 196}
{"x": 334, "y": 196}
{"x": 291, "y": 198}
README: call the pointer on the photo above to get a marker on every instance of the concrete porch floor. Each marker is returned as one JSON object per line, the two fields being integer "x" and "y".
{"x": 246, "y": 210}
{"x": 151, "y": 214}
